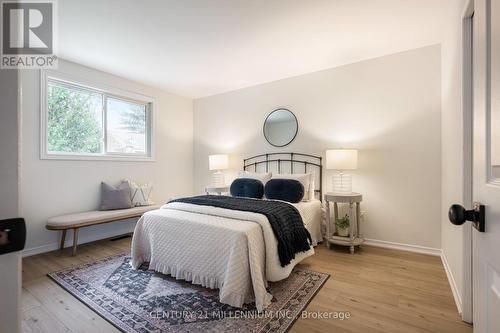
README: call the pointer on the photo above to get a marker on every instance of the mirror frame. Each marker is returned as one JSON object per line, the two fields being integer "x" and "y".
{"x": 294, "y": 135}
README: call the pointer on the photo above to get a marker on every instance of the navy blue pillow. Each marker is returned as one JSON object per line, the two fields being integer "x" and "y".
{"x": 247, "y": 187}
{"x": 290, "y": 190}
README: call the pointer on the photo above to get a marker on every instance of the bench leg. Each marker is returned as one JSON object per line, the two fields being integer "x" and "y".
{"x": 63, "y": 239}
{"x": 75, "y": 240}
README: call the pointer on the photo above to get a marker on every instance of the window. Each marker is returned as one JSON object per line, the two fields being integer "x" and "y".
{"x": 80, "y": 121}
{"x": 126, "y": 124}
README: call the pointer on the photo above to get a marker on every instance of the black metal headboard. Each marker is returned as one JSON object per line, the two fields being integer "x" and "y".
{"x": 288, "y": 163}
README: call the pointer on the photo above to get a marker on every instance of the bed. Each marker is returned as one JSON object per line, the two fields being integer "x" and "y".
{"x": 235, "y": 251}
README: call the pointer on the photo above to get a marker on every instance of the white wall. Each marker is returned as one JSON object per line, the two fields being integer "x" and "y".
{"x": 8, "y": 144}
{"x": 10, "y": 272}
{"x": 452, "y": 237}
{"x": 388, "y": 108}
{"x": 52, "y": 187}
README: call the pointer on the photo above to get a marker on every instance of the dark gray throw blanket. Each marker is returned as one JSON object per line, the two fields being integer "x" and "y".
{"x": 285, "y": 220}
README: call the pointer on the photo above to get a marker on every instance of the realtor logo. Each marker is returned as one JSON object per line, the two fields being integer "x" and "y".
{"x": 28, "y": 32}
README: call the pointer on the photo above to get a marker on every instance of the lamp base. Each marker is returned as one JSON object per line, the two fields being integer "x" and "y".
{"x": 218, "y": 179}
{"x": 342, "y": 183}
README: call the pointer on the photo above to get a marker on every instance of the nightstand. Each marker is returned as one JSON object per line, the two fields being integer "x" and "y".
{"x": 353, "y": 200}
{"x": 217, "y": 189}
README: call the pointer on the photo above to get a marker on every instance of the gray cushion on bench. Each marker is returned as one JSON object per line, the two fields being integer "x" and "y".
{"x": 95, "y": 217}
{"x": 116, "y": 197}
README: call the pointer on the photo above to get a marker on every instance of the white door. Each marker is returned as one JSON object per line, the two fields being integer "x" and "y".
{"x": 486, "y": 157}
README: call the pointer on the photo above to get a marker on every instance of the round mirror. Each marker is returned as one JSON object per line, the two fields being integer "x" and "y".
{"x": 280, "y": 127}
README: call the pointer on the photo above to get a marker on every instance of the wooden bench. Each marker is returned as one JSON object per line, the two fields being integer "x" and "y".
{"x": 86, "y": 219}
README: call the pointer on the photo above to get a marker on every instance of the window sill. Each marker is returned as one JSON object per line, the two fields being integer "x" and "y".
{"x": 112, "y": 158}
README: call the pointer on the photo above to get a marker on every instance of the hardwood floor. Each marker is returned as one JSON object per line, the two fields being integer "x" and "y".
{"x": 382, "y": 290}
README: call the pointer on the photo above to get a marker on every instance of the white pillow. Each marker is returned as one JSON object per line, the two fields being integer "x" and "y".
{"x": 305, "y": 178}
{"x": 141, "y": 195}
{"x": 312, "y": 189}
{"x": 263, "y": 177}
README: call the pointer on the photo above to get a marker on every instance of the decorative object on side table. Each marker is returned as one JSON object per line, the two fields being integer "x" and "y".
{"x": 220, "y": 190}
{"x": 218, "y": 163}
{"x": 349, "y": 223}
{"x": 341, "y": 160}
{"x": 342, "y": 226}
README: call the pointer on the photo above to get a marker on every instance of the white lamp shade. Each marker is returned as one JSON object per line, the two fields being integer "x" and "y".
{"x": 218, "y": 162}
{"x": 342, "y": 159}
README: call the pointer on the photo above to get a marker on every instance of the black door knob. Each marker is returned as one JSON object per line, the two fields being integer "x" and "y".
{"x": 458, "y": 215}
{"x": 12, "y": 235}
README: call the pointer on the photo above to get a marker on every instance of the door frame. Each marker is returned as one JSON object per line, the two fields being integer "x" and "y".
{"x": 467, "y": 114}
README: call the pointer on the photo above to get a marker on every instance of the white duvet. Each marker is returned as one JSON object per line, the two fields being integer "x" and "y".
{"x": 231, "y": 250}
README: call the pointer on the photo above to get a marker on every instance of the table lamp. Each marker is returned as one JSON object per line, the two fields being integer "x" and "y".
{"x": 341, "y": 160}
{"x": 218, "y": 163}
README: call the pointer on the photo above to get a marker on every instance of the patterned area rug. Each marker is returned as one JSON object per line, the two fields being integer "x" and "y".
{"x": 146, "y": 301}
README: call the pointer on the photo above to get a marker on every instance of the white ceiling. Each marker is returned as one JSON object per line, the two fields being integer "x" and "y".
{"x": 197, "y": 48}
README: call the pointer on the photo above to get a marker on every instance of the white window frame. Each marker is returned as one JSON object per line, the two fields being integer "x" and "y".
{"x": 64, "y": 78}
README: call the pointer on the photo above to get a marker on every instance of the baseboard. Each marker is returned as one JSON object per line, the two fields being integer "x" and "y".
{"x": 404, "y": 247}
{"x": 453, "y": 285}
{"x": 69, "y": 242}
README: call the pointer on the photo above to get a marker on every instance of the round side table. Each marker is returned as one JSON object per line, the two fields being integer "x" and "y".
{"x": 354, "y": 200}
{"x": 216, "y": 189}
